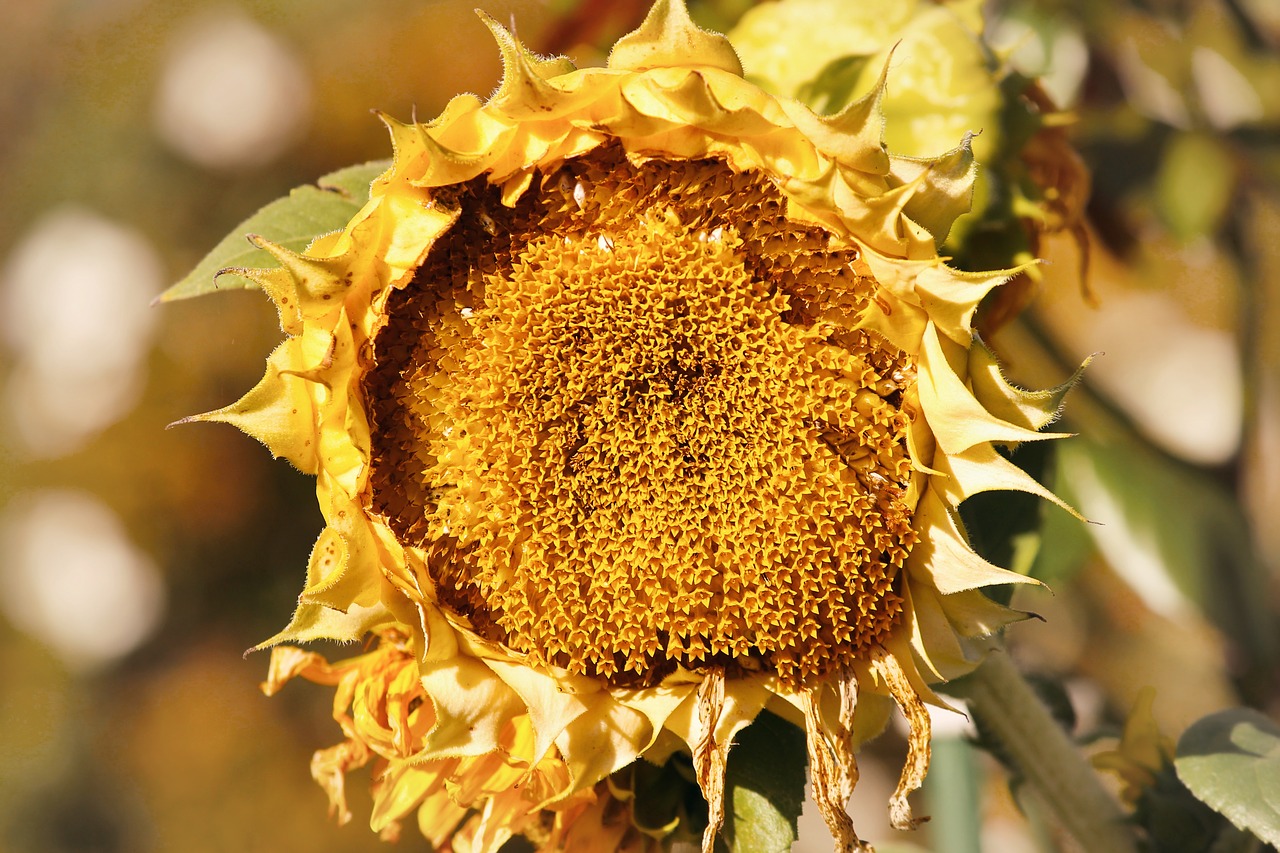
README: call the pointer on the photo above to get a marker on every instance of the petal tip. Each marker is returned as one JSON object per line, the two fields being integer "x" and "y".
{"x": 524, "y": 77}
{"x": 668, "y": 37}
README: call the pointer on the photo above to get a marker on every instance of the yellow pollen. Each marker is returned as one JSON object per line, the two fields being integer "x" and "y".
{"x": 633, "y": 424}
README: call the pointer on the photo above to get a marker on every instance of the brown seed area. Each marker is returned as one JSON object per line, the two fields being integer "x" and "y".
{"x": 632, "y": 424}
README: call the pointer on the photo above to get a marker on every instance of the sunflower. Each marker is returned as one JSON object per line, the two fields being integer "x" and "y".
{"x": 639, "y": 401}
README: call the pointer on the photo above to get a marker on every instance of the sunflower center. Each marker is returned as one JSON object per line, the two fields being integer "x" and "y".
{"x": 632, "y": 424}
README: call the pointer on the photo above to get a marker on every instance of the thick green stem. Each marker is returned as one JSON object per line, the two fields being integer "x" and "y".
{"x": 1004, "y": 704}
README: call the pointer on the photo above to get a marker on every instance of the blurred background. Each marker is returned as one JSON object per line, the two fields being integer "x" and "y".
{"x": 136, "y": 564}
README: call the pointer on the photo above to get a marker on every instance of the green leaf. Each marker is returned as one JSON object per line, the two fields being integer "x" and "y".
{"x": 1065, "y": 542}
{"x": 764, "y": 787}
{"x": 1177, "y": 822}
{"x": 353, "y": 181}
{"x": 1181, "y": 521}
{"x": 1231, "y": 761}
{"x": 1196, "y": 181}
{"x": 667, "y": 796}
{"x": 836, "y": 85}
{"x": 293, "y": 222}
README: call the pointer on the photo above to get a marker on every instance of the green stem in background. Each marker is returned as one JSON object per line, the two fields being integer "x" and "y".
{"x": 1004, "y": 704}
{"x": 952, "y": 795}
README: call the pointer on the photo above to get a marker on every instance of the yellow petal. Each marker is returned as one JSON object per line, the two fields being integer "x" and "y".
{"x": 401, "y": 789}
{"x": 472, "y": 706}
{"x": 602, "y": 740}
{"x": 854, "y": 136}
{"x": 942, "y": 558}
{"x": 524, "y": 91}
{"x": 551, "y": 708}
{"x": 313, "y": 622}
{"x": 982, "y": 469}
{"x": 943, "y": 187}
{"x": 958, "y": 420}
{"x": 277, "y": 411}
{"x": 1030, "y": 409}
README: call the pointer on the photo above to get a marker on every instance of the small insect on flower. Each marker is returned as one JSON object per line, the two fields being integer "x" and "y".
{"x": 639, "y": 400}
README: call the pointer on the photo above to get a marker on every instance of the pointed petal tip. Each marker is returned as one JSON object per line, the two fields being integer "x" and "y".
{"x": 525, "y": 74}
{"x": 506, "y": 39}
{"x": 668, "y": 37}
{"x": 259, "y": 242}
{"x": 201, "y": 418}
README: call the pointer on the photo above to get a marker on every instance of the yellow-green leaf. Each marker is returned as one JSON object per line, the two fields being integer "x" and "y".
{"x": 293, "y": 222}
{"x": 1231, "y": 761}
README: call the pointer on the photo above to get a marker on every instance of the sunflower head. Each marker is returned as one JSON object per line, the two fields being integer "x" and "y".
{"x": 639, "y": 399}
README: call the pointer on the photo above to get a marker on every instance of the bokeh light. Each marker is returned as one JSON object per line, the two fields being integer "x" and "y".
{"x": 231, "y": 93}
{"x": 71, "y": 578}
{"x": 74, "y": 312}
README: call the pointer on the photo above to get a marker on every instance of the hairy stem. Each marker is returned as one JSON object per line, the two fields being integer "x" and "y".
{"x": 1005, "y": 705}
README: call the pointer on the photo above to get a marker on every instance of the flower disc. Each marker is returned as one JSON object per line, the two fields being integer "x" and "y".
{"x": 637, "y": 440}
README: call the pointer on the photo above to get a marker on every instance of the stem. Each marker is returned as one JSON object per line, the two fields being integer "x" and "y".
{"x": 1040, "y": 750}
{"x": 952, "y": 795}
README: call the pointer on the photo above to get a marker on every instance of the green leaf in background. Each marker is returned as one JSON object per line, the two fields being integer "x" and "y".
{"x": 764, "y": 787}
{"x": 1174, "y": 524}
{"x": 836, "y": 84}
{"x": 1195, "y": 184}
{"x": 952, "y": 792}
{"x": 1176, "y": 821}
{"x": 293, "y": 222}
{"x": 1231, "y": 761}
{"x": 1065, "y": 544}
{"x": 353, "y": 181}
